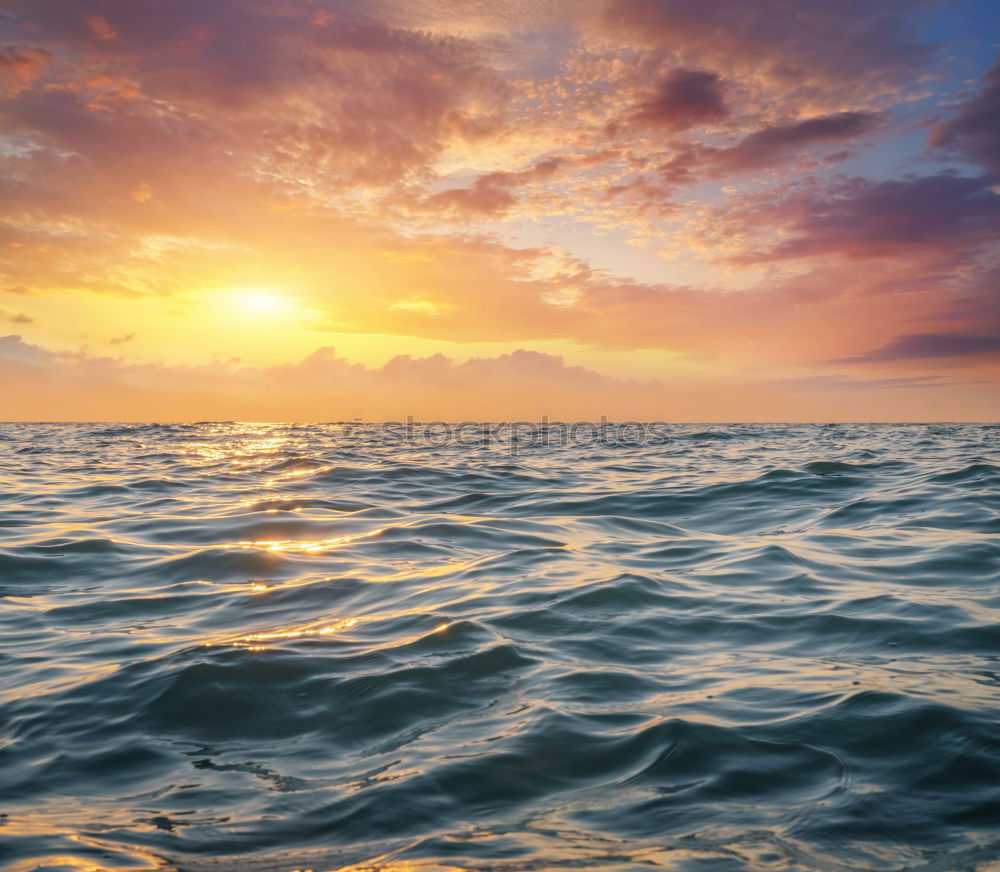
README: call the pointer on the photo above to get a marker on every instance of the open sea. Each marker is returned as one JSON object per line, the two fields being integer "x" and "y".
{"x": 280, "y": 647}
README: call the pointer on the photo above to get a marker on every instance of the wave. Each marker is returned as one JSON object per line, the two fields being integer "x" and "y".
{"x": 264, "y": 647}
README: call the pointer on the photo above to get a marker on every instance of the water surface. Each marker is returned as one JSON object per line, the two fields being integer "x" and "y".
{"x": 274, "y": 647}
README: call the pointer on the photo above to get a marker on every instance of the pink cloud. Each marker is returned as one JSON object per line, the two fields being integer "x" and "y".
{"x": 307, "y": 140}
{"x": 492, "y": 193}
{"x": 44, "y": 385}
{"x": 321, "y": 386}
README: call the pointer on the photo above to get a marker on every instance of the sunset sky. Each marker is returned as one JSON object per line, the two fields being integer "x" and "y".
{"x": 692, "y": 210}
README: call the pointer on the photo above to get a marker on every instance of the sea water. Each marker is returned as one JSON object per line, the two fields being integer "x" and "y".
{"x": 277, "y": 647}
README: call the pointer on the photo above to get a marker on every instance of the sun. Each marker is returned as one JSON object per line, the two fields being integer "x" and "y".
{"x": 254, "y": 308}
{"x": 257, "y": 302}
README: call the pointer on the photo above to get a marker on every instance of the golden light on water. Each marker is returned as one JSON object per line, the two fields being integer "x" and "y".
{"x": 265, "y": 640}
{"x": 316, "y": 546}
{"x": 326, "y": 630}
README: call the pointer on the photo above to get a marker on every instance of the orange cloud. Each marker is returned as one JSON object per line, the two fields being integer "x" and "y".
{"x": 522, "y": 385}
{"x": 100, "y": 28}
{"x": 610, "y": 176}
{"x": 20, "y": 67}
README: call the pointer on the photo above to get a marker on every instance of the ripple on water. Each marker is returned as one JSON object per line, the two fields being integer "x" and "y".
{"x": 233, "y": 646}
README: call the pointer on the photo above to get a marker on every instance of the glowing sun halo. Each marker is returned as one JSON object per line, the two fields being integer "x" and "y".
{"x": 261, "y": 302}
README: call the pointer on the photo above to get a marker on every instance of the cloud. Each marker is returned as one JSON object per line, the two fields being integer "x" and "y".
{"x": 15, "y": 350}
{"x": 841, "y": 383}
{"x": 321, "y": 386}
{"x": 368, "y": 101}
{"x": 923, "y": 346}
{"x": 492, "y": 193}
{"x": 767, "y": 147}
{"x": 770, "y": 145}
{"x": 121, "y": 340}
{"x": 468, "y": 173}
{"x": 489, "y": 194}
{"x": 797, "y": 47}
{"x": 945, "y": 214}
{"x": 44, "y": 385}
{"x": 99, "y": 26}
{"x": 20, "y": 67}
{"x": 685, "y": 98}
{"x": 16, "y": 318}
{"x": 974, "y": 131}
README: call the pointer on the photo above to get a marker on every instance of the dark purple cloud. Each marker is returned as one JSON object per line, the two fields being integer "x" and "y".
{"x": 771, "y": 145}
{"x": 768, "y": 147}
{"x": 685, "y": 99}
{"x": 947, "y": 214}
{"x": 921, "y": 346}
{"x": 974, "y": 131}
{"x": 841, "y": 383}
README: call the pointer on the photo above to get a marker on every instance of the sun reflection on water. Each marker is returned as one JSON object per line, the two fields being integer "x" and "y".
{"x": 265, "y": 640}
{"x": 315, "y": 546}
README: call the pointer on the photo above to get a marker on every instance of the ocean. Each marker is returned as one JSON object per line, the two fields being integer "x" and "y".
{"x": 352, "y": 646}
